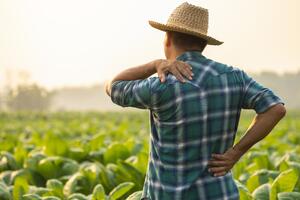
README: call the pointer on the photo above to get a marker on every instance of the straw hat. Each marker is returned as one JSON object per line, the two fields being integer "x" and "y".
{"x": 188, "y": 19}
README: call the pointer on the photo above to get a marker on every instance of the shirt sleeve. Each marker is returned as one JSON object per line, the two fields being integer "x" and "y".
{"x": 135, "y": 93}
{"x": 258, "y": 97}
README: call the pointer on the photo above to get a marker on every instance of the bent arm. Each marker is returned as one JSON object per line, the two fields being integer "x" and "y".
{"x": 161, "y": 66}
{"x": 260, "y": 127}
{"x": 134, "y": 73}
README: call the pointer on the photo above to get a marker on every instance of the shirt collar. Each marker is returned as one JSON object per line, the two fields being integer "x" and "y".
{"x": 190, "y": 55}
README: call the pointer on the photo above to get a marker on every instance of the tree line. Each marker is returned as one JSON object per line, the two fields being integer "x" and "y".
{"x": 33, "y": 97}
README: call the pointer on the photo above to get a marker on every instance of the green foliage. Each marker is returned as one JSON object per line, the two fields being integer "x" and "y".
{"x": 4, "y": 192}
{"x": 262, "y": 192}
{"x": 98, "y": 193}
{"x": 288, "y": 196}
{"x": 120, "y": 190}
{"x": 260, "y": 177}
{"x": 116, "y": 151}
{"x": 20, "y": 188}
{"x": 56, "y": 188}
{"x": 55, "y": 167}
{"x": 7, "y": 161}
{"x": 104, "y": 156}
{"x": 31, "y": 197}
{"x": 135, "y": 196}
{"x": 285, "y": 182}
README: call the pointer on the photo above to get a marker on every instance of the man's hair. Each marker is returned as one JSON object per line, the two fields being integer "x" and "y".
{"x": 188, "y": 42}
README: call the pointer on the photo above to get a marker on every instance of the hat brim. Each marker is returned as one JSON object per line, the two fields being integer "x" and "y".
{"x": 164, "y": 27}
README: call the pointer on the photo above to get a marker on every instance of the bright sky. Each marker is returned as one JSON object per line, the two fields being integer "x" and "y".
{"x": 81, "y": 42}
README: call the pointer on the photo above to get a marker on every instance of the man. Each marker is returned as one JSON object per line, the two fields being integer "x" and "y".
{"x": 194, "y": 113}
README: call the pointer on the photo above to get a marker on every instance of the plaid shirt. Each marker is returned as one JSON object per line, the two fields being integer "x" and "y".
{"x": 189, "y": 122}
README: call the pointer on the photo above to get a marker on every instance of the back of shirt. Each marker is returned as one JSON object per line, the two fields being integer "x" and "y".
{"x": 189, "y": 122}
{"x": 192, "y": 120}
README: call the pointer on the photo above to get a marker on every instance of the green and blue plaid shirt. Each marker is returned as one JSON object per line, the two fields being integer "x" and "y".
{"x": 189, "y": 122}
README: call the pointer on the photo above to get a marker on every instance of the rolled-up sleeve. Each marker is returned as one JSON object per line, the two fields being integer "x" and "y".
{"x": 135, "y": 93}
{"x": 258, "y": 97}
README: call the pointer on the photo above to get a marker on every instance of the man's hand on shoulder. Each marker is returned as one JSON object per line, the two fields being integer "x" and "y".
{"x": 178, "y": 68}
{"x": 160, "y": 66}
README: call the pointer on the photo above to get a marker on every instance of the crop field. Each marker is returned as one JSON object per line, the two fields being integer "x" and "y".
{"x": 99, "y": 156}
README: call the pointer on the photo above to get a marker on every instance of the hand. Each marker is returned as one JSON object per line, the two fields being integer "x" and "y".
{"x": 222, "y": 163}
{"x": 177, "y": 68}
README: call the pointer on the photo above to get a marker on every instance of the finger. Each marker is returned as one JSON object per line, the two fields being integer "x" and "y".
{"x": 163, "y": 77}
{"x": 185, "y": 72}
{"x": 160, "y": 74}
{"x": 220, "y": 174}
{"x": 188, "y": 67}
{"x": 219, "y": 156}
{"x": 177, "y": 74}
{"x": 216, "y": 163}
{"x": 217, "y": 169}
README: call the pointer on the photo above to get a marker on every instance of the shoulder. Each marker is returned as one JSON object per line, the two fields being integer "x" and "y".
{"x": 218, "y": 72}
{"x": 220, "y": 68}
{"x": 158, "y": 86}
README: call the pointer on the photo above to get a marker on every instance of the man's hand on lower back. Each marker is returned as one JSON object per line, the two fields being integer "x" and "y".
{"x": 261, "y": 126}
{"x": 222, "y": 163}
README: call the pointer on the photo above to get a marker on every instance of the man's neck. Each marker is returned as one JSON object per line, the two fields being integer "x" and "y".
{"x": 177, "y": 52}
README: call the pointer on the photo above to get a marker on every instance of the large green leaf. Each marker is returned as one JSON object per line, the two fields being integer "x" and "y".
{"x": 20, "y": 188}
{"x": 116, "y": 151}
{"x": 31, "y": 197}
{"x": 260, "y": 177}
{"x": 50, "y": 198}
{"x": 134, "y": 175}
{"x": 33, "y": 160}
{"x": 285, "y": 182}
{"x": 7, "y": 161}
{"x": 288, "y": 196}
{"x": 98, "y": 193}
{"x": 243, "y": 191}
{"x": 77, "y": 153}
{"x": 40, "y": 191}
{"x": 75, "y": 184}
{"x": 261, "y": 159}
{"x": 77, "y": 196}
{"x": 55, "y": 167}
{"x": 6, "y": 176}
{"x": 56, "y": 188}
{"x": 4, "y": 192}
{"x": 262, "y": 192}
{"x": 120, "y": 190}
{"x": 135, "y": 196}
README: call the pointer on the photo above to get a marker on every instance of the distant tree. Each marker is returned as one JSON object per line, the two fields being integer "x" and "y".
{"x": 28, "y": 98}
{"x": 1, "y": 102}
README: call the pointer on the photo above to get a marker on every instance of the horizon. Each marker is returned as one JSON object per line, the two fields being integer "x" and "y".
{"x": 101, "y": 83}
{"x": 73, "y": 43}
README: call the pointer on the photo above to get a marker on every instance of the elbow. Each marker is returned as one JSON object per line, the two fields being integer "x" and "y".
{"x": 280, "y": 110}
{"x": 107, "y": 88}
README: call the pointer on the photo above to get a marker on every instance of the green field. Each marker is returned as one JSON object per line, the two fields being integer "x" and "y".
{"x": 104, "y": 156}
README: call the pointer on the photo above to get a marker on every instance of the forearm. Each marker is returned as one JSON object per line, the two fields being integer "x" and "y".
{"x": 260, "y": 128}
{"x": 134, "y": 73}
{"x": 160, "y": 66}
{"x": 138, "y": 72}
